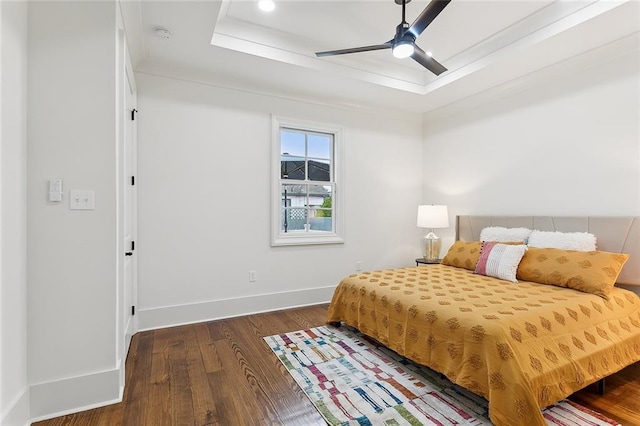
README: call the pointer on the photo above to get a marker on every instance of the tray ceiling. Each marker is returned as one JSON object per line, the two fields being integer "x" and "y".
{"x": 484, "y": 45}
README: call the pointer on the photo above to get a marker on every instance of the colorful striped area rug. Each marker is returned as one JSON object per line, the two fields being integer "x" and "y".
{"x": 352, "y": 380}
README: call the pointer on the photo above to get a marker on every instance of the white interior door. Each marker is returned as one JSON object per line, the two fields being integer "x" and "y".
{"x": 130, "y": 207}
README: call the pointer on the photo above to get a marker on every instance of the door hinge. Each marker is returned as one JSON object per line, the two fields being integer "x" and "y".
{"x": 133, "y": 310}
{"x": 133, "y": 180}
{"x": 133, "y": 114}
{"x": 133, "y": 245}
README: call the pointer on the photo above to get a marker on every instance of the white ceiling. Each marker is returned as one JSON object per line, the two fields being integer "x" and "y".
{"x": 487, "y": 46}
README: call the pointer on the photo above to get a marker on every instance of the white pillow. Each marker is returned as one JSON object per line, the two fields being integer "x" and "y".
{"x": 581, "y": 241}
{"x": 505, "y": 235}
{"x": 500, "y": 260}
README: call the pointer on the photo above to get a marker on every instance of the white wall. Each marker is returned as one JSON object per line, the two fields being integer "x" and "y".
{"x": 72, "y": 253}
{"x": 569, "y": 146}
{"x": 14, "y": 394}
{"x": 204, "y": 185}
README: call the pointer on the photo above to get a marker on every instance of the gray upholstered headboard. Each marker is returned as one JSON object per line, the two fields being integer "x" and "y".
{"x": 618, "y": 234}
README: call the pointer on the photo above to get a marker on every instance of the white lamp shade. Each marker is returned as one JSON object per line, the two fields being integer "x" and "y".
{"x": 433, "y": 216}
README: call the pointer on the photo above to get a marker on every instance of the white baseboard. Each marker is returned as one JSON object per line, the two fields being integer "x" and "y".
{"x": 60, "y": 397}
{"x": 18, "y": 412}
{"x": 170, "y": 316}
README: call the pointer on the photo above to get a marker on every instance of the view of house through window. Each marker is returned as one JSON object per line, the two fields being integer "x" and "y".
{"x": 306, "y": 181}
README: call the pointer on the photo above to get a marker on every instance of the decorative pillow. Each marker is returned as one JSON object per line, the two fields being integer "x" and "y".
{"x": 500, "y": 260}
{"x": 463, "y": 254}
{"x": 589, "y": 271}
{"x": 582, "y": 241}
{"x": 498, "y": 233}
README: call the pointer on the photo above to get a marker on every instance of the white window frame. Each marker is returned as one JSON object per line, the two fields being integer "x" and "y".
{"x": 279, "y": 238}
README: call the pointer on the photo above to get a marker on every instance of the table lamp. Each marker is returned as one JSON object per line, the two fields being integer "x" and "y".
{"x": 432, "y": 216}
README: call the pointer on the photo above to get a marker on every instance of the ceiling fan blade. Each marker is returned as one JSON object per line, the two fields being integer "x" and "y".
{"x": 354, "y": 50}
{"x": 427, "y": 61}
{"x": 429, "y": 13}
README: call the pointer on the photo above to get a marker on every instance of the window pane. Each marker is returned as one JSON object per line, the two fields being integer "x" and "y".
{"x": 319, "y": 170}
{"x": 294, "y": 219}
{"x": 316, "y": 198}
{"x": 296, "y": 195}
{"x": 292, "y": 168}
{"x": 319, "y": 194}
{"x": 321, "y": 198}
{"x": 292, "y": 143}
{"x": 320, "y": 146}
{"x": 321, "y": 224}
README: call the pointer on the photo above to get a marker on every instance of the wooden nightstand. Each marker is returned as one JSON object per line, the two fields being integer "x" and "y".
{"x": 421, "y": 260}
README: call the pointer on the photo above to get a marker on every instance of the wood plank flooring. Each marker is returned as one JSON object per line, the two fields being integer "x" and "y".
{"x": 222, "y": 373}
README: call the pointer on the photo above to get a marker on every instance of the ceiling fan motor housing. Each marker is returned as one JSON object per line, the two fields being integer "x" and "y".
{"x": 403, "y": 35}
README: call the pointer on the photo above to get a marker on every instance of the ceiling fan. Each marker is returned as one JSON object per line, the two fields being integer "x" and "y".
{"x": 403, "y": 43}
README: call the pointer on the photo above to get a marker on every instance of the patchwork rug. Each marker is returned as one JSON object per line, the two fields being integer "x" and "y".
{"x": 352, "y": 380}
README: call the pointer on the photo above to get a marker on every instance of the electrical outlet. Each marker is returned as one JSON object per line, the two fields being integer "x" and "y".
{"x": 359, "y": 266}
{"x": 252, "y": 276}
{"x": 81, "y": 199}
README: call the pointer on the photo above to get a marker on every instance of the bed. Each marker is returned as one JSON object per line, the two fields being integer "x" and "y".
{"x": 523, "y": 345}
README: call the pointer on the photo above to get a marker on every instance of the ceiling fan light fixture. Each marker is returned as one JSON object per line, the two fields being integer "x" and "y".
{"x": 403, "y": 49}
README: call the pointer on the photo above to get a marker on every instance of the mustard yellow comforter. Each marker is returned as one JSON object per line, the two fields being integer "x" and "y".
{"x": 522, "y": 345}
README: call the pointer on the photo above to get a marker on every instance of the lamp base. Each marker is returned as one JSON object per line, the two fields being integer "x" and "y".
{"x": 432, "y": 245}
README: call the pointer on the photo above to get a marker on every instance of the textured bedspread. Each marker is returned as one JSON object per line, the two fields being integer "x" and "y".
{"x": 520, "y": 345}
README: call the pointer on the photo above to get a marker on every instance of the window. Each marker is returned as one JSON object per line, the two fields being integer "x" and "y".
{"x": 306, "y": 201}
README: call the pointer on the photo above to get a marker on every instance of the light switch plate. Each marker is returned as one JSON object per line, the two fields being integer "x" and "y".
{"x": 81, "y": 199}
{"x": 55, "y": 190}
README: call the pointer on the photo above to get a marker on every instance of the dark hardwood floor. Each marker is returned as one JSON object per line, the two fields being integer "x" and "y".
{"x": 222, "y": 373}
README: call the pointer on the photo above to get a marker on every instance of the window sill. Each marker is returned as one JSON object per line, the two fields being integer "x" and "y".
{"x": 305, "y": 239}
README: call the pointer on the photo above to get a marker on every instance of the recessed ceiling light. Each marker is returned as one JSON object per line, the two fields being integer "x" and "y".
{"x": 266, "y": 5}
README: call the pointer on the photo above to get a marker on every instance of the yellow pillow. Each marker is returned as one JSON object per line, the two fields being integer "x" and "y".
{"x": 589, "y": 271}
{"x": 463, "y": 254}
